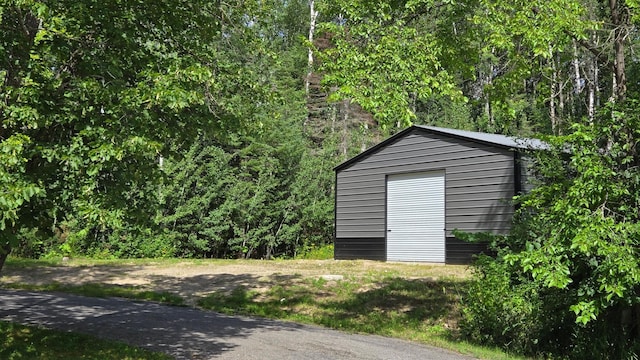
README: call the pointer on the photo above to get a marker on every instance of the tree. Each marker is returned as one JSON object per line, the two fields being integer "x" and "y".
{"x": 91, "y": 91}
{"x": 599, "y": 187}
{"x": 574, "y": 248}
{"x": 573, "y": 255}
{"x": 247, "y": 194}
{"x": 385, "y": 55}
{"x": 522, "y": 66}
{"x": 234, "y": 197}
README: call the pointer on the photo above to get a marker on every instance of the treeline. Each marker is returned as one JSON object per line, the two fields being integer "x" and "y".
{"x": 215, "y": 97}
{"x": 261, "y": 196}
{"x": 210, "y": 129}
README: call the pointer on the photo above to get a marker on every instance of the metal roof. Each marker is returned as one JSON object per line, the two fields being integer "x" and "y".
{"x": 498, "y": 140}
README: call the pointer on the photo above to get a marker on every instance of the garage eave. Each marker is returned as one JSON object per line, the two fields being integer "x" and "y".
{"x": 496, "y": 140}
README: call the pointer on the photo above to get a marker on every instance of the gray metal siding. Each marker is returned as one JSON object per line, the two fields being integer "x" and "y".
{"x": 480, "y": 181}
{"x": 369, "y": 248}
{"x": 461, "y": 252}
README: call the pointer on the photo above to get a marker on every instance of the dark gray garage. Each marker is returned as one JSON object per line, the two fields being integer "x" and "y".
{"x": 401, "y": 199}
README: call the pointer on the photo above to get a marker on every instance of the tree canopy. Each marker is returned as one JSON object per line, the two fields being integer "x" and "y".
{"x": 92, "y": 91}
{"x": 209, "y": 129}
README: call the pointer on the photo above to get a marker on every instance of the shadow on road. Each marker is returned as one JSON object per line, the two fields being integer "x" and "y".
{"x": 181, "y": 332}
{"x": 187, "y": 333}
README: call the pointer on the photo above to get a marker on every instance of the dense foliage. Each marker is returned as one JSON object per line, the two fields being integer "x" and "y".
{"x": 89, "y": 99}
{"x": 128, "y": 130}
{"x": 210, "y": 129}
{"x": 566, "y": 281}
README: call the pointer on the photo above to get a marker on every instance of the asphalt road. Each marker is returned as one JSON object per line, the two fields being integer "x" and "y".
{"x": 187, "y": 333}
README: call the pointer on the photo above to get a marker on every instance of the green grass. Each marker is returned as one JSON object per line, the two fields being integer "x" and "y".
{"x": 101, "y": 290}
{"x": 414, "y": 309}
{"x": 409, "y": 301}
{"x": 28, "y": 342}
{"x": 22, "y": 263}
{"x": 322, "y": 252}
{"x": 391, "y": 307}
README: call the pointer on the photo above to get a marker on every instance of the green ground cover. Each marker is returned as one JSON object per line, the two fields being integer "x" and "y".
{"x": 30, "y": 342}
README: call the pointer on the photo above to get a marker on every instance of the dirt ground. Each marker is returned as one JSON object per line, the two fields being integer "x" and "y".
{"x": 194, "y": 279}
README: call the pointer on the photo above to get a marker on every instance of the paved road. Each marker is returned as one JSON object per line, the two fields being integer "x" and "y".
{"x": 187, "y": 333}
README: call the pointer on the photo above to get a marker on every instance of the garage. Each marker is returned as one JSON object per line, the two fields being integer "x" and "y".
{"x": 402, "y": 199}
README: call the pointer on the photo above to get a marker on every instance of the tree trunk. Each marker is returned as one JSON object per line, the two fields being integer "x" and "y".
{"x": 363, "y": 144}
{"x": 561, "y": 110}
{"x": 578, "y": 83}
{"x": 313, "y": 15}
{"x": 344, "y": 144}
{"x": 591, "y": 102}
{"x": 577, "y": 80}
{"x": 5, "y": 250}
{"x": 552, "y": 97}
{"x": 593, "y": 89}
{"x": 307, "y": 79}
{"x": 487, "y": 105}
{"x": 620, "y": 33}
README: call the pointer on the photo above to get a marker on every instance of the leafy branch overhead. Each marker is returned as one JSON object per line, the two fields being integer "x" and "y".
{"x": 383, "y": 57}
{"x": 394, "y": 58}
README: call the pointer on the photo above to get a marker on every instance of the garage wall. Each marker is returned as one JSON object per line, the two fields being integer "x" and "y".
{"x": 479, "y": 178}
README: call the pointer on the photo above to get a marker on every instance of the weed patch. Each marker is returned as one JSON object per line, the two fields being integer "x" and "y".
{"x": 317, "y": 252}
{"x": 392, "y": 306}
{"x": 28, "y": 342}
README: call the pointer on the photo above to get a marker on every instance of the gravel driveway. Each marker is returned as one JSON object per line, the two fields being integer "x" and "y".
{"x": 187, "y": 333}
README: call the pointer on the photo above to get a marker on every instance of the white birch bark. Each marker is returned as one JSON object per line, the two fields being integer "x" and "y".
{"x": 313, "y": 15}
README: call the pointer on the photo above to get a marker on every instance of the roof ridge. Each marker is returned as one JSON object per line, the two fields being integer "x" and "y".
{"x": 497, "y": 140}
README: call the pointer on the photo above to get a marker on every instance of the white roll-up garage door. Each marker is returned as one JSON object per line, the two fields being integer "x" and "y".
{"x": 415, "y": 217}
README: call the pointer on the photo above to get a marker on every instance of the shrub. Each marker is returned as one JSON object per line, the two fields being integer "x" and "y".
{"x": 317, "y": 252}
{"x": 498, "y": 309}
{"x": 505, "y": 306}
